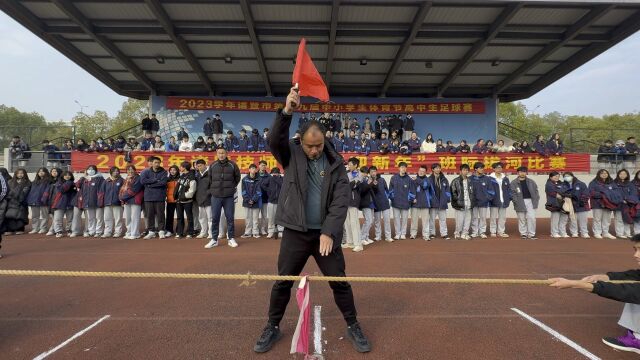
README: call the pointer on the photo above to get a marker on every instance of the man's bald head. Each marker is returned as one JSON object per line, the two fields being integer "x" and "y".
{"x": 312, "y": 139}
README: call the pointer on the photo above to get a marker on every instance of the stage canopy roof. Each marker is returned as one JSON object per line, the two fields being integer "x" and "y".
{"x": 405, "y": 48}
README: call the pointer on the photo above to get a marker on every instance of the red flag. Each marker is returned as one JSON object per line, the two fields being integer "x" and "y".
{"x": 307, "y": 77}
{"x": 300, "y": 340}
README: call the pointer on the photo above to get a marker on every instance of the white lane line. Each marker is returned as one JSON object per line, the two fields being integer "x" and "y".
{"x": 78, "y": 334}
{"x": 557, "y": 335}
{"x": 317, "y": 330}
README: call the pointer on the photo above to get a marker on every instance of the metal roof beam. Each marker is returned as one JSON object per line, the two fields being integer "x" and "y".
{"x": 248, "y": 18}
{"x": 22, "y": 15}
{"x": 626, "y": 29}
{"x": 72, "y": 12}
{"x": 592, "y": 16}
{"x": 164, "y": 19}
{"x": 505, "y": 16}
{"x": 335, "y": 8}
{"x": 404, "y": 48}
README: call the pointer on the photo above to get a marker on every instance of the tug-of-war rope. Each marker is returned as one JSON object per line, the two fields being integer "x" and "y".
{"x": 250, "y": 279}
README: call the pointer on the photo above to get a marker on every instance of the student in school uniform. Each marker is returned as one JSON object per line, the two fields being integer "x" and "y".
{"x": 382, "y": 211}
{"x": 131, "y": 194}
{"x": 401, "y": 194}
{"x": 421, "y": 204}
{"x": 252, "y": 202}
{"x": 36, "y": 199}
{"x": 484, "y": 192}
{"x": 500, "y": 203}
{"x": 367, "y": 205}
{"x": 62, "y": 195}
{"x": 352, "y": 221}
{"x": 112, "y": 204}
{"x": 440, "y": 197}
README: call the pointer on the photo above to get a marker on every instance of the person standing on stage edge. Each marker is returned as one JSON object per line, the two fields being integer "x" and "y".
{"x": 312, "y": 207}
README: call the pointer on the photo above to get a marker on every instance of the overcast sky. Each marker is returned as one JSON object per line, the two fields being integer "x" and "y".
{"x": 35, "y": 77}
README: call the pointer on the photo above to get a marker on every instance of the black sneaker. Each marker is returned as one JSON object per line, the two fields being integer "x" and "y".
{"x": 270, "y": 335}
{"x": 359, "y": 341}
{"x": 524, "y": 237}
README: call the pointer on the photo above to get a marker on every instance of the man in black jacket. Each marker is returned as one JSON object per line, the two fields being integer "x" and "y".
{"x": 312, "y": 207}
{"x": 155, "y": 125}
{"x": 207, "y": 128}
{"x": 627, "y": 293}
{"x": 224, "y": 177}
{"x": 218, "y": 127}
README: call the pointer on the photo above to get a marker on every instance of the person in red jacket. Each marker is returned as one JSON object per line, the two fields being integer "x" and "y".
{"x": 627, "y": 293}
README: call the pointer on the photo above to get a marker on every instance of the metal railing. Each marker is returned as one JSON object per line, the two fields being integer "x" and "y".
{"x": 591, "y": 138}
{"x": 519, "y": 135}
{"x": 38, "y": 159}
{"x": 33, "y": 135}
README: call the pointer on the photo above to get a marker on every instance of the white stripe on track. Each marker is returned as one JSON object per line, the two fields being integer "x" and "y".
{"x": 317, "y": 330}
{"x": 75, "y": 336}
{"x": 557, "y": 335}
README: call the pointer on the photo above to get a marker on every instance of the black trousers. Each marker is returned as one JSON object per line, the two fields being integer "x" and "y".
{"x": 154, "y": 215}
{"x": 181, "y": 209}
{"x": 295, "y": 249}
{"x": 171, "y": 211}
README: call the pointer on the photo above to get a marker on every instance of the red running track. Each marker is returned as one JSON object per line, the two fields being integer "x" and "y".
{"x": 204, "y": 319}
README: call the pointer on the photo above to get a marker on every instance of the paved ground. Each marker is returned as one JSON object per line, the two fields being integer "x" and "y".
{"x": 202, "y": 319}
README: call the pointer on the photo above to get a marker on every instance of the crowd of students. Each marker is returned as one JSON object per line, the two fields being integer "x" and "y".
{"x": 177, "y": 201}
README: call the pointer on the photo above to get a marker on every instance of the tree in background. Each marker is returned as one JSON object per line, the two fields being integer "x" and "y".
{"x": 31, "y": 127}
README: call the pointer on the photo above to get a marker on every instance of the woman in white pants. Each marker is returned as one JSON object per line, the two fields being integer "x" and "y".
{"x": 627, "y": 191}
{"x": 112, "y": 204}
{"x": 131, "y": 194}
{"x": 62, "y": 195}
{"x": 579, "y": 194}
{"x": 600, "y": 189}
{"x": 556, "y": 191}
{"x": 87, "y": 203}
{"x": 37, "y": 201}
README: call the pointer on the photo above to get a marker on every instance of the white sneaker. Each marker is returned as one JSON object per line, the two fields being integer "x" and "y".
{"x": 232, "y": 243}
{"x": 403, "y": 237}
{"x": 609, "y": 236}
{"x": 150, "y": 235}
{"x": 50, "y": 233}
{"x": 389, "y": 240}
{"x": 73, "y": 235}
{"x": 412, "y": 237}
{"x": 189, "y": 236}
{"x": 244, "y": 236}
{"x": 565, "y": 236}
{"x": 59, "y": 235}
{"x": 586, "y": 236}
{"x": 104, "y": 236}
{"x": 263, "y": 233}
{"x": 358, "y": 248}
{"x": 256, "y": 236}
{"x": 367, "y": 242}
{"x": 597, "y": 236}
{"x": 167, "y": 234}
{"x": 42, "y": 231}
{"x": 483, "y": 236}
{"x": 117, "y": 235}
{"x": 33, "y": 231}
{"x": 86, "y": 235}
{"x": 177, "y": 237}
{"x": 19, "y": 232}
{"x": 269, "y": 235}
{"x": 201, "y": 236}
{"x": 574, "y": 235}
{"x": 280, "y": 235}
{"x": 504, "y": 235}
{"x": 161, "y": 234}
{"x": 347, "y": 246}
{"x": 397, "y": 237}
{"x": 211, "y": 244}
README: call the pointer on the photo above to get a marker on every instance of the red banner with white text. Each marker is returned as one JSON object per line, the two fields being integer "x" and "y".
{"x": 386, "y": 164}
{"x": 453, "y": 107}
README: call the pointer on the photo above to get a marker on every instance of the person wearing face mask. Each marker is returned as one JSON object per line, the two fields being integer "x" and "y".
{"x": 87, "y": 203}
{"x": 556, "y": 191}
{"x": 112, "y": 204}
{"x": 579, "y": 194}
{"x": 131, "y": 195}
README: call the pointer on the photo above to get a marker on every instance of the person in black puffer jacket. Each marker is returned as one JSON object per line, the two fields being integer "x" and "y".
{"x": 224, "y": 177}
{"x": 17, "y": 214}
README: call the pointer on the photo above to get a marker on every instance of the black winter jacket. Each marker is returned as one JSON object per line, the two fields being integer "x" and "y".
{"x": 224, "y": 178}
{"x": 628, "y": 293}
{"x": 335, "y": 185}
